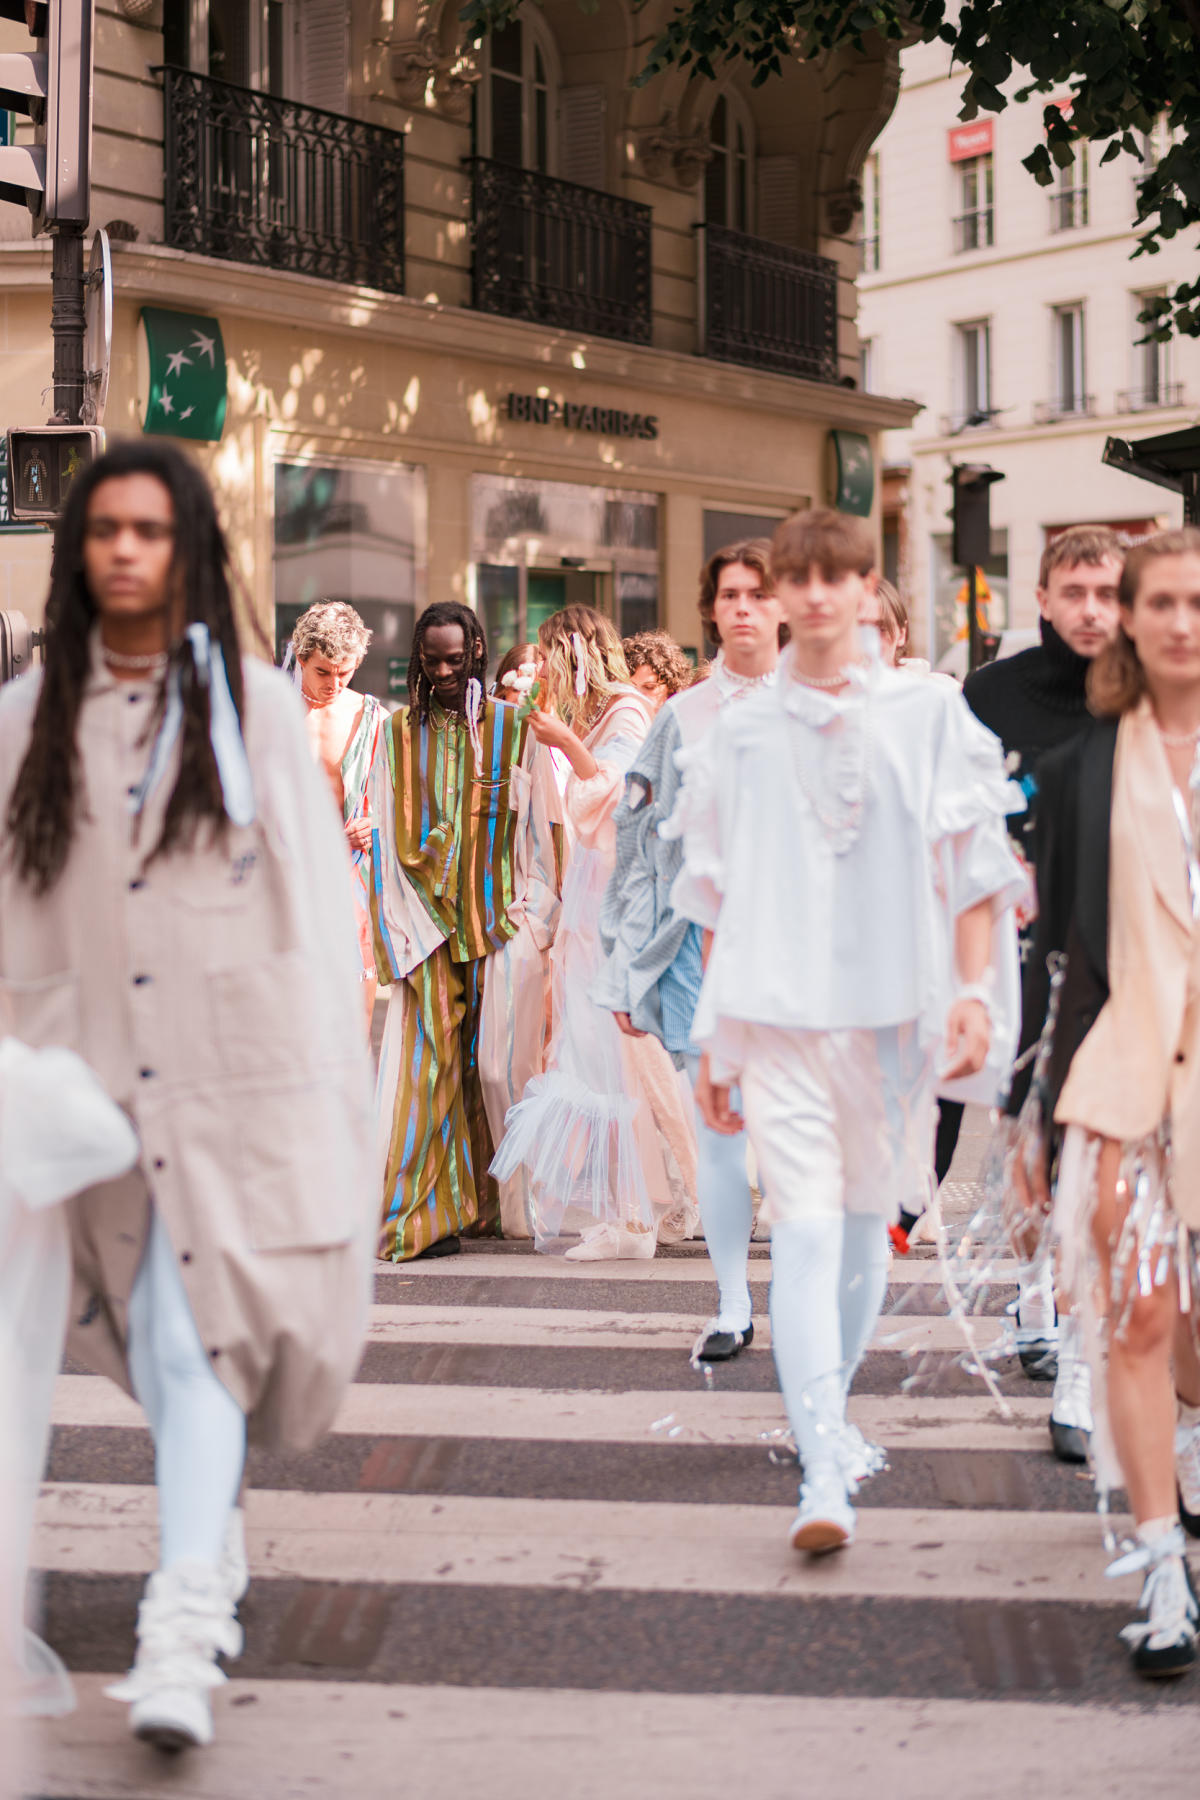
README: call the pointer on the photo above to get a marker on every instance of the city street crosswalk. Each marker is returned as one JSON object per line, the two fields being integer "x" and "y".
{"x": 540, "y": 1554}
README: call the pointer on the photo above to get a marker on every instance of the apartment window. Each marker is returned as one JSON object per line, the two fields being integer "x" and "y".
{"x": 1070, "y": 366}
{"x": 973, "y": 400}
{"x": 727, "y": 186}
{"x": 869, "y": 241}
{"x": 1069, "y": 201}
{"x": 1151, "y": 383}
{"x": 517, "y": 97}
{"x": 974, "y": 227}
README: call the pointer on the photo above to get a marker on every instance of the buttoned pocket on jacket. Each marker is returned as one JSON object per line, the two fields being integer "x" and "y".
{"x": 43, "y": 1013}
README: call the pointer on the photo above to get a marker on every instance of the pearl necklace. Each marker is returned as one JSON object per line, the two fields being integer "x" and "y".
{"x": 1178, "y": 740}
{"x": 317, "y": 705}
{"x": 153, "y": 664}
{"x": 823, "y": 681}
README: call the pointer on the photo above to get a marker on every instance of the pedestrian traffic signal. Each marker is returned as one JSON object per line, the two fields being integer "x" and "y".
{"x": 51, "y": 84}
{"x": 43, "y": 463}
{"x": 971, "y": 513}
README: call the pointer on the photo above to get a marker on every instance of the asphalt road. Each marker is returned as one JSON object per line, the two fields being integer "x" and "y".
{"x": 540, "y": 1556}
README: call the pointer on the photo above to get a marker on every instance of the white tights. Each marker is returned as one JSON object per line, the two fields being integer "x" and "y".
{"x": 726, "y": 1212}
{"x": 199, "y": 1429}
{"x": 828, "y": 1282}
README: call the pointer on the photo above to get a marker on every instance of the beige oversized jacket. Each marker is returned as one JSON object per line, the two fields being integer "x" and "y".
{"x": 215, "y": 992}
{"x": 1140, "y": 1062}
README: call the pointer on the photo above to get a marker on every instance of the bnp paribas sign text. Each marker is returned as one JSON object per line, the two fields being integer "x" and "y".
{"x": 606, "y": 421}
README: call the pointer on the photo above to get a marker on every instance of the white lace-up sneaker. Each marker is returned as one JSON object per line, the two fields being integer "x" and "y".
{"x": 825, "y": 1520}
{"x": 1164, "y": 1643}
{"x": 184, "y": 1621}
{"x": 1187, "y": 1474}
{"x": 613, "y": 1243}
{"x": 678, "y": 1225}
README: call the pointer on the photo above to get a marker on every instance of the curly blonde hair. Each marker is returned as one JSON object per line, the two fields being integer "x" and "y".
{"x": 604, "y": 666}
{"x": 331, "y": 628}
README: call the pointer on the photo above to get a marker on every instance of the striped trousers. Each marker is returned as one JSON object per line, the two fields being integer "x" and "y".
{"x": 430, "y": 1104}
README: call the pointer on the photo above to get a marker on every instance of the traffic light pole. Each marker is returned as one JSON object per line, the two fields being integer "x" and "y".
{"x": 973, "y": 645}
{"x": 67, "y": 322}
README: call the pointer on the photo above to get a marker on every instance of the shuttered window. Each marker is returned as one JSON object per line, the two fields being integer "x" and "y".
{"x": 583, "y": 147}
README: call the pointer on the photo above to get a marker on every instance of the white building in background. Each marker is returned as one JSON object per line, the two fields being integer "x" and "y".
{"x": 1009, "y": 311}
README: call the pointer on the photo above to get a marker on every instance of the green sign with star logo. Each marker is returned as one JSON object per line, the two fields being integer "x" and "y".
{"x": 187, "y": 385}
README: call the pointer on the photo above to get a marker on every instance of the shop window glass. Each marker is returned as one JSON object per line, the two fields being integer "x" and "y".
{"x": 355, "y": 532}
{"x": 721, "y": 528}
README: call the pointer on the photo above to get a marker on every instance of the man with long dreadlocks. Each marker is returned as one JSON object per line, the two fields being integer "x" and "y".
{"x": 462, "y": 857}
{"x": 176, "y": 906}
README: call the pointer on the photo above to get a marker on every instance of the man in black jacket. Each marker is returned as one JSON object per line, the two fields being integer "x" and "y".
{"x": 1033, "y": 702}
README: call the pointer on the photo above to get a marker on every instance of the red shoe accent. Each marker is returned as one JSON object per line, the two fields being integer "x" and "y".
{"x": 899, "y": 1239}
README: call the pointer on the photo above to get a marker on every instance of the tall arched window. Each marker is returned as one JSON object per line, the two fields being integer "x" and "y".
{"x": 517, "y": 97}
{"x": 727, "y": 177}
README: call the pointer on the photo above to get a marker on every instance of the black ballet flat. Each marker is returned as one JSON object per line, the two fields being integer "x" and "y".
{"x": 722, "y": 1346}
{"x": 447, "y": 1246}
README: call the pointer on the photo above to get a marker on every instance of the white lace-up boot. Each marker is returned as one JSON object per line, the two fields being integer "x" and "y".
{"x": 1164, "y": 1643}
{"x": 235, "y": 1571}
{"x": 825, "y": 1520}
{"x": 1071, "y": 1408}
{"x": 184, "y": 1621}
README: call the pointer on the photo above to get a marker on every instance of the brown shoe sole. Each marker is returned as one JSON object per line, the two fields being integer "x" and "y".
{"x": 820, "y": 1536}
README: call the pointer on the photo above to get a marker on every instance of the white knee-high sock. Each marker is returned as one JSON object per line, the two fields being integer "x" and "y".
{"x": 806, "y": 1332}
{"x": 862, "y": 1285}
{"x": 726, "y": 1214}
{"x": 199, "y": 1429}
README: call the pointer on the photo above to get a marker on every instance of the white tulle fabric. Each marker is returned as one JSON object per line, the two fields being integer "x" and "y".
{"x": 602, "y": 1133}
{"x": 59, "y": 1133}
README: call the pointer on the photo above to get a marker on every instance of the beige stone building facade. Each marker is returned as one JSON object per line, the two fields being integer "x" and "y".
{"x": 497, "y": 325}
{"x": 1010, "y": 312}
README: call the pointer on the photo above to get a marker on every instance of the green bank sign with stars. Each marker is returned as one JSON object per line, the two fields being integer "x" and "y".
{"x": 187, "y": 388}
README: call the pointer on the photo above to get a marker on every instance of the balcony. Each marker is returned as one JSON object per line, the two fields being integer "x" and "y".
{"x": 1067, "y": 406}
{"x": 769, "y": 306}
{"x": 1069, "y": 209}
{"x": 254, "y": 179}
{"x": 1151, "y": 399}
{"x": 975, "y": 230}
{"x": 558, "y": 254}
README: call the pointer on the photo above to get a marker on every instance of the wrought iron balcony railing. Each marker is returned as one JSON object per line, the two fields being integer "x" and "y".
{"x": 975, "y": 230}
{"x": 1161, "y": 394}
{"x": 254, "y": 179}
{"x": 560, "y": 254}
{"x": 1069, "y": 209}
{"x": 769, "y": 306}
{"x": 1067, "y": 406}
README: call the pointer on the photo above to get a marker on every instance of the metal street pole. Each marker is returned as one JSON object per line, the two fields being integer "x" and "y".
{"x": 973, "y": 644}
{"x": 67, "y": 321}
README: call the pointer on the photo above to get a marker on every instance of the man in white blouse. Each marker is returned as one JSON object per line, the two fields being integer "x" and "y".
{"x": 826, "y": 820}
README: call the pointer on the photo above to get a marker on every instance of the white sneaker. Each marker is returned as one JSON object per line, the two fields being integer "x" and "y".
{"x": 825, "y": 1520}
{"x": 1071, "y": 1407}
{"x": 1187, "y": 1470}
{"x": 613, "y": 1243}
{"x": 184, "y": 1621}
{"x": 235, "y": 1570}
{"x": 678, "y": 1225}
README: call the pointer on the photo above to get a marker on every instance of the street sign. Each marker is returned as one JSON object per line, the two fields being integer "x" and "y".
{"x": 43, "y": 463}
{"x": 97, "y": 342}
{"x": 186, "y": 390}
{"x": 398, "y": 677}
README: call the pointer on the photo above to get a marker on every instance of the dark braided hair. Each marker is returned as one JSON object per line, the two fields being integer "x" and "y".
{"x": 447, "y": 612}
{"x": 47, "y": 797}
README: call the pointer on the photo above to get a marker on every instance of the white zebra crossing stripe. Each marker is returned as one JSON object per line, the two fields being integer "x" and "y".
{"x": 331, "y": 1740}
{"x": 485, "y": 1265}
{"x": 649, "y": 1546}
{"x": 918, "y": 1422}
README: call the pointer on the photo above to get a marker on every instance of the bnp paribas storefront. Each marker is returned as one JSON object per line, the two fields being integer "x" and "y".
{"x": 394, "y": 455}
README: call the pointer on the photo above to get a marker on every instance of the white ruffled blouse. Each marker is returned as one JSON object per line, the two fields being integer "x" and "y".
{"x": 830, "y": 841}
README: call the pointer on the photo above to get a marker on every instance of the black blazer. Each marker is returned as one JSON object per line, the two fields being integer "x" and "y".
{"x": 1073, "y": 824}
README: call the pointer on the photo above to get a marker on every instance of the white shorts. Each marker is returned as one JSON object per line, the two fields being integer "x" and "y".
{"x": 840, "y": 1121}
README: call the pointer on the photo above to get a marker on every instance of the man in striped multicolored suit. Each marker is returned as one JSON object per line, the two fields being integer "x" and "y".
{"x": 448, "y": 820}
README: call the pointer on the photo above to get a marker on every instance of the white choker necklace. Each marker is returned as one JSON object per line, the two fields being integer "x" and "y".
{"x": 1178, "y": 740}
{"x": 820, "y": 681}
{"x": 317, "y": 705}
{"x": 152, "y": 664}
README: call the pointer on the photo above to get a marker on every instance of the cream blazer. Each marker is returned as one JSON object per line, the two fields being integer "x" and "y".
{"x": 1140, "y": 1062}
{"x": 215, "y": 993}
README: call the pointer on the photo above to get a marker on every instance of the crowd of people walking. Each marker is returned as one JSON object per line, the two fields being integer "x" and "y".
{"x": 663, "y": 947}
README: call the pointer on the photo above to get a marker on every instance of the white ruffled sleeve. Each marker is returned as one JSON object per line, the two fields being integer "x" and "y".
{"x": 699, "y": 888}
{"x": 970, "y": 801}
